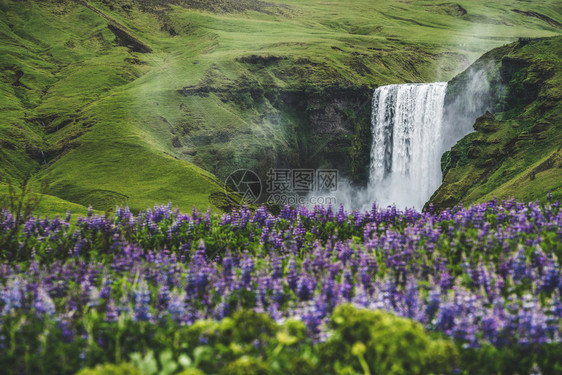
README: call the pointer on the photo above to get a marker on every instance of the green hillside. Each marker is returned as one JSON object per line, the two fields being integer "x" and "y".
{"x": 517, "y": 152}
{"x": 143, "y": 102}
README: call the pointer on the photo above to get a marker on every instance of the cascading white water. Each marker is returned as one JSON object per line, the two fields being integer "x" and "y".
{"x": 408, "y": 137}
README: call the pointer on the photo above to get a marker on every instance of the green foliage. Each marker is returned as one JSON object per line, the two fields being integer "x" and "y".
{"x": 512, "y": 360}
{"x": 109, "y": 369}
{"x": 251, "y": 326}
{"x": 515, "y": 153}
{"x": 164, "y": 365}
{"x": 491, "y": 360}
{"x": 191, "y": 371}
{"x": 549, "y": 359}
{"x": 257, "y": 346}
{"x": 20, "y": 201}
{"x": 246, "y": 366}
{"x": 377, "y": 342}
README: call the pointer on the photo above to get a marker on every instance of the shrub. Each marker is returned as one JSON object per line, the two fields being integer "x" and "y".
{"x": 247, "y": 366}
{"x": 377, "y": 342}
{"x": 109, "y": 369}
{"x": 191, "y": 371}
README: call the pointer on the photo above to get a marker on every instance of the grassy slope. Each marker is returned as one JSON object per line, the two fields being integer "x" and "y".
{"x": 49, "y": 205}
{"x": 517, "y": 153}
{"x": 76, "y": 109}
{"x": 114, "y": 129}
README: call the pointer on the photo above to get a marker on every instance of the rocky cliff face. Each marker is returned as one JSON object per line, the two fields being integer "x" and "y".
{"x": 514, "y": 150}
{"x": 326, "y": 127}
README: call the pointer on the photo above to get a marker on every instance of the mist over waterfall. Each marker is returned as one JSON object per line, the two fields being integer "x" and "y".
{"x": 408, "y": 141}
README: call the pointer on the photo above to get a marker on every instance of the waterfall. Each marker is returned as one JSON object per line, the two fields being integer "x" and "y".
{"x": 408, "y": 141}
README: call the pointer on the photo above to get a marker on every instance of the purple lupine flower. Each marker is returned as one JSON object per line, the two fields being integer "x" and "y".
{"x": 446, "y": 281}
{"x": 519, "y": 269}
{"x": 177, "y": 308}
{"x": 227, "y": 266}
{"x": 305, "y": 287}
{"x": 277, "y": 267}
{"x": 312, "y": 317}
{"x": 365, "y": 277}
{"x": 142, "y": 302}
{"x": 432, "y": 305}
{"x": 12, "y": 296}
{"x": 224, "y": 310}
{"x": 111, "y": 312}
{"x": 247, "y": 270}
{"x": 278, "y": 296}
{"x": 445, "y": 319}
{"x": 163, "y": 296}
{"x": 550, "y": 279}
{"x": 411, "y": 302}
{"x": 105, "y": 291}
{"x": 347, "y": 285}
{"x": 93, "y": 297}
{"x": 79, "y": 247}
{"x": 29, "y": 227}
{"x": 43, "y": 303}
{"x": 292, "y": 277}
{"x": 532, "y": 323}
{"x": 346, "y": 271}
{"x": 345, "y": 252}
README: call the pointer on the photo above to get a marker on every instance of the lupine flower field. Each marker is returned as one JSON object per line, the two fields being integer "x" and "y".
{"x": 178, "y": 292}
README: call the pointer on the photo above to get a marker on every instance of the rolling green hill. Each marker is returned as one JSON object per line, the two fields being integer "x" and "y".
{"x": 143, "y": 102}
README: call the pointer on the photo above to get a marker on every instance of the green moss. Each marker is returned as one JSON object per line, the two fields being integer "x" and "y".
{"x": 517, "y": 154}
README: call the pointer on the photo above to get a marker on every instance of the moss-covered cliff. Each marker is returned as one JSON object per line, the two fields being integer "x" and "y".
{"x": 516, "y": 151}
